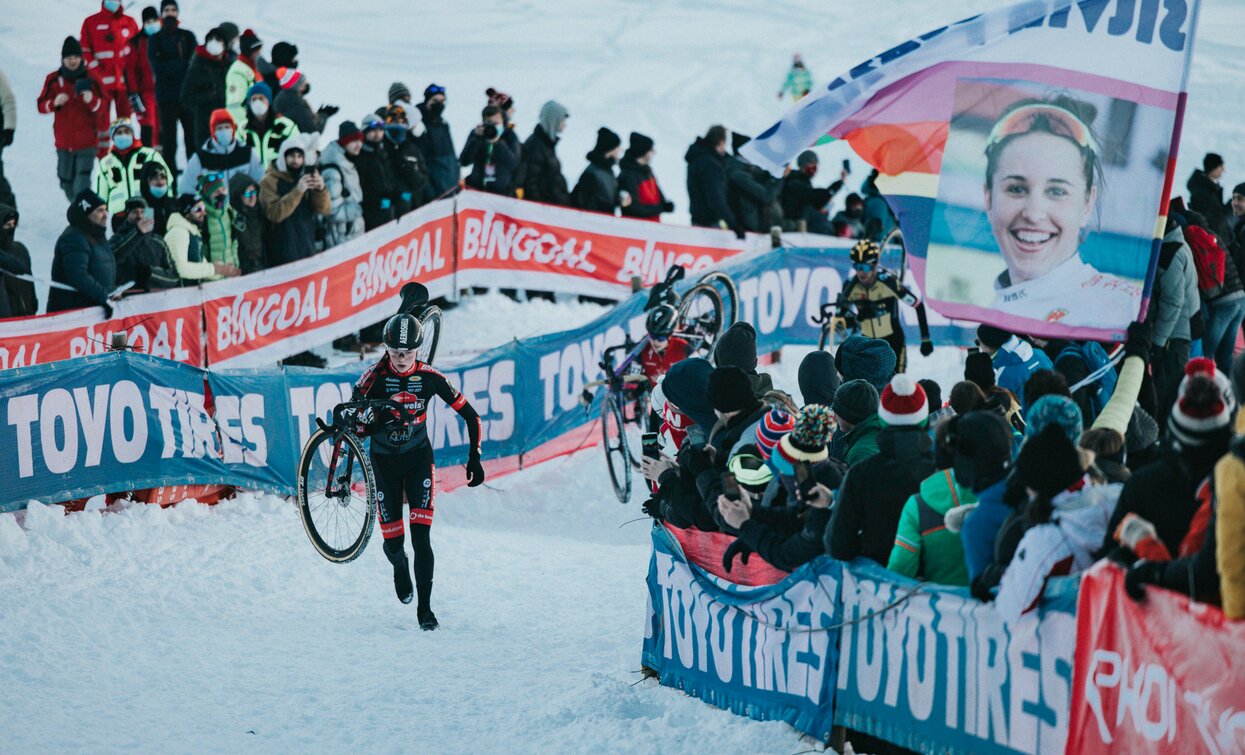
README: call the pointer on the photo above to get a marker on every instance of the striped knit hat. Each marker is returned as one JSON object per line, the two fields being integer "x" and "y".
{"x": 289, "y": 78}
{"x": 903, "y": 402}
{"x": 1204, "y": 404}
{"x": 770, "y": 430}
{"x": 807, "y": 442}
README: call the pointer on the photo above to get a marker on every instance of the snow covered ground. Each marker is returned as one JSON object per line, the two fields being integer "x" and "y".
{"x": 219, "y": 629}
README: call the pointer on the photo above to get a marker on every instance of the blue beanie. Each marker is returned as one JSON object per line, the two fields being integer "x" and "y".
{"x": 259, "y": 87}
{"x": 1053, "y": 409}
{"x": 868, "y": 359}
{"x": 686, "y": 385}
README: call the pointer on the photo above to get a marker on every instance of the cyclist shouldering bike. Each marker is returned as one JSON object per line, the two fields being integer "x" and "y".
{"x": 401, "y": 452}
{"x": 876, "y": 293}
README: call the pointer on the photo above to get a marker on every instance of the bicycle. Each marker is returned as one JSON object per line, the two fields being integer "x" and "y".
{"x": 835, "y": 325}
{"x": 336, "y": 486}
{"x": 415, "y": 302}
{"x": 701, "y": 319}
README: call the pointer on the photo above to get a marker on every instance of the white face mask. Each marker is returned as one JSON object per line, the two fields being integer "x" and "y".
{"x": 259, "y": 106}
{"x": 214, "y": 47}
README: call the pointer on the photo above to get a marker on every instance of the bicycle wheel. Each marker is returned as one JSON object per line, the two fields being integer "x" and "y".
{"x": 727, "y": 291}
{"x": 701, "y": 318}
{"x": 336, "y": 495}
{"x": 430, "y": 318}
{"x": 894, "y": 254}
{"x": 617, "y": 455}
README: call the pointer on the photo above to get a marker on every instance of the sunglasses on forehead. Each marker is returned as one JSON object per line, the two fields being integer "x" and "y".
{"x": 435, "y": 89}
{"x": 1058, "y": 121}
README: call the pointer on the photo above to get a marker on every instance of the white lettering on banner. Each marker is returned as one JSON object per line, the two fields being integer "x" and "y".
{"x": 491, "y": 237}
{"x": 247, "y": 319}
{"x": 193, "y": 425}
{"x": 1147, "y": 698}
{"x": 564, "y": 373}
{"x": 163, "y": 344}
{"x": 242, "y": 435}
{"x": 309, "y": 402}
{"x": 70, "y": 420}
{"x": 488, "y": 388}
{"x": 773, "y": 645}
{"x": 942, "y": 649}
{"x": 775, "y": 298}
{"x": 381, "y": 273}
{"x": 650, "y": 263}
{"x": 11, "y": 360}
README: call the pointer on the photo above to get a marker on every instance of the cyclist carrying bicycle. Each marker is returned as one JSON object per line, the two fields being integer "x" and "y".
{"x": 876, "y": 294}
{"x": 401, "y": 452}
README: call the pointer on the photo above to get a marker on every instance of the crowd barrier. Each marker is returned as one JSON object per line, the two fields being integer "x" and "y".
{"x": 122, "y": 421}
{"x": 931, "y": 669}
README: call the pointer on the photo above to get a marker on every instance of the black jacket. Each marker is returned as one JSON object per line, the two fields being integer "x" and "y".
{"x": 144, "y": 259}
{"x": 597, "y": 188}
{"x": 292, "y": 105}
{"x": 249, "y": 226}
{"x": 82, "y": 259}
{"x": 377, "y": 181}
{"x": 492, "y": 165}
{"x": 204, "y": 91}
{"x": 540, "y": 171}
{"x": 410, "y": 175}
{"x": 798, "y": 196}
{"x": 1206, "y": 198}
{"x": 170, "y": 51}
{"x": 753, "y": 195}
{"x": 786, "y": 540}
{"x": 706, "y": 187}
{"x": 873, "y": 494}
{"x": 437, "y": 146}
{"x": 17, "y": 297}
{"x": 647, "y": 199}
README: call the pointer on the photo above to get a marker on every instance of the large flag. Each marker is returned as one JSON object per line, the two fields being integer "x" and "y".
{"x": 1027, "y": 153}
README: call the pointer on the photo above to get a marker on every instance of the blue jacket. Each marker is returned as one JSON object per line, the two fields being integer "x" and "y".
{"x": 1015, "y": 362}
{"x": 982, "y": 526}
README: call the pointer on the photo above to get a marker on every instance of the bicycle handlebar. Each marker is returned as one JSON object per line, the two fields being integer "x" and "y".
{"x": 353, "y": 408}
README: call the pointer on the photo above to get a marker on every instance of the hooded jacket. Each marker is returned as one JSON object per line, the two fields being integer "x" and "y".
{"x": 540, "y": 171}
{"x": 188, "y": 250}
{"x": 1178, "y": 293}
{"x": 437, "y": 146}
{"x": 1015, "y": 362}
{"x": 18, "y": 296}
{"x": 228, "y": 160}
{"x": 82, "y": 259}
{"x": 105, "y": 39}
{"x": 163, "y": 206}
{"x": 341, "y": 181}
{"x": 249, "y": 225}
{"x": 597, "y": 188}
{"x": 377, "y": 182}
{"x": 869, "y": 503}
{"x": 753, "y": 195}
{"x": 924, "y": 547}
{"x": 706, "y": 187}
{"x": 291, "y": 211}
{"x": 1206, "y": 199}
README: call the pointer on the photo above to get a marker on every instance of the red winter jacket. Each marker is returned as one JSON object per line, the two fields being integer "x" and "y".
{"x": 75, "y": 126}
{"x": 106, "y": 46}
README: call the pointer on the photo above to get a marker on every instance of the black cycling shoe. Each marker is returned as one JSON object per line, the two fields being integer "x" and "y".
{"x": 402, "y": 582}
{"x": 427, "y": 619}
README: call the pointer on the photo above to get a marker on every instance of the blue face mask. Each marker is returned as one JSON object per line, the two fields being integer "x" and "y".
{"x": 396, "y": 132}
{"x": 159, "y": 191}
{"x": 151, "y": 28}
{"x": 224, "y": 136}
{"x": 112, "y": 5}
{"x": 123, "y": 141}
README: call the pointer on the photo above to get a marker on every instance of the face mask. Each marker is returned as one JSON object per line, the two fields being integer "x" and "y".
{"x": 396, "y": 132}
{"x": 112, "y": 6}
{"x": 306, "y": 87}
{"x": 224, "y": 136}
{"x": 169, "y": 22}
{"x": 123, "y": 141}
{"x": 151, "y": 28}
{"x": 158, "y": 191}
{"x": 214, "y": 47}
{"x": 436, "y": 108}
{"x": 259, "y": 107}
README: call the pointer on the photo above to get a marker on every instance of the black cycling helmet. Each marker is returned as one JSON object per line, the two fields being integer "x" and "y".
{"x": 866, "y": 252}
{"x": 660, "y": 322}
{"x": 403, "y": 331}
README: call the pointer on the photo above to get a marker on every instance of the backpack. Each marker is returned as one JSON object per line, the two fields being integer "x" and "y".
{"x": 1208, "y": 258}
{"x": 1095, "y": 358}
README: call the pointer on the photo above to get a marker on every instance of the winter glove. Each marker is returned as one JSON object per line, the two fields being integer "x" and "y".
{"x": 652, "y": 507}
{"x": 107, "y": 310}
{"x": 955, "y": 517}
{"x": 740, "y": 234}
{"x": 585, "y": 398}
{"x": 406, "y": 196}
{"x": 667, "y": 206}
{"x": 1138, "y": 343}
{"x": 475, "y": 470}
{"x": 328, "y": 111}
{"x": 927, "y": 347}
{"x": 385, "y": 204}
{"x": 1140, "y": 536}
{"x": 136, "y": 103}
{"x": 982, "y": 588}
{"x": 740, "y": 548}
{"x": 6, "y": 137}
{"x": 1141, "y": 574}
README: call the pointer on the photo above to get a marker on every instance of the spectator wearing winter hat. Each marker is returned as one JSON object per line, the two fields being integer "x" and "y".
{"x": 170, "y": 51}
{"x": 1110, "y": 454}
{"x": 751, "y": 191}
{"x": 293, "y": 194}
{"x": 938, "y": 411}
{"x": 82, "y": 258}
{"x": 265, "y": 130}
{"x": 869, "y": 504}
{"x": 184, "y": 240}
{"x": 504, "y": 103}
{"x": 856, "y": 411}
{"x": 410, "y": 167}
{"x": 218, "y": 223}
{"x": 636, "y": 177}
{"x": 818, "y": 379}
{"x": 116, "y": 174}
{"x": 771, "y": 429}
{"x": 106, "y": 50}
{"x": 982, "y": 447}
{"x": 141, "y": 254}
{"x": 686, "y": 386}
{"x": 249, "y": 225}
{"x": 490, "y": 157}
{"x": 849, "y": 222}
{"x": 341, "y": 181}
{"x": 223, "y": 154}
{"x": 1014, "y": 360}
{"x": 979, "y": 370}
{"x": 597, "y": 188}
{"x": 870, "y": 359}
{"x": 1067, "y": 517}
{"x": 436, "y": 143}
{"x": 539, "y": 177}
{"x": 1165, "y": 493}
{"x": 203, "y": 90}
{"x": 1206, "y": 193}
{"x": 140, "y": 78}
{"x": 291, "y": 102}
{"x": 737, "y": 347}
{"x": 75, "y": 98}
{"x": 155, "y": 186}
{"x": 1054, "y": 409}
{"x": 730, "y": 394}
{"x": 18, "y": 297}
{"x": 243, "y": 73}
{"x": 376, "y": 177}
{"x": 801, "y": 203}
{"x": 706, "y": 182}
